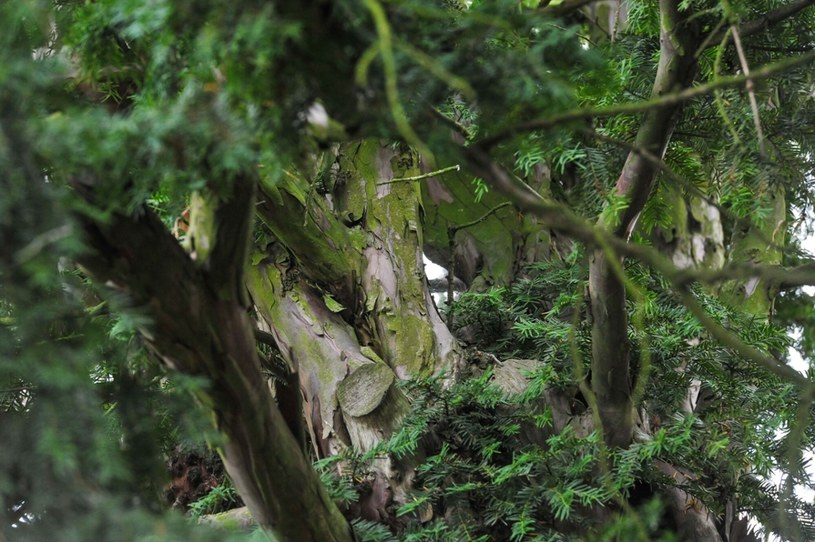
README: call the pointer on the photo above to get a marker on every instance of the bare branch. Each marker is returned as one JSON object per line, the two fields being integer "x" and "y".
{"x": 769, "y": 19}
{"x": 784, "y": 277}
{"x": 638, "y": 107}
{"x": 423, "y": 175}
{"x": 482, "y": 218}
{"x": 750, "y": 91}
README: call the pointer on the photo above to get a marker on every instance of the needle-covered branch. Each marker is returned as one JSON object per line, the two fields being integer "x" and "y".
{"x": 562, "y": 219}
{"x": 766, "y": 20}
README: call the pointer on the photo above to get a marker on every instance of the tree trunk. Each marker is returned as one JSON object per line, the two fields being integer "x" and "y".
{"x": 200, "y": 327}
{"x": 339, "y": 282}
{"x": 611, "y": 381}
{"x": 499, "y": 241}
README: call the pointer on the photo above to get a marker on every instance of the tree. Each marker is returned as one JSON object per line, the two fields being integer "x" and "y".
{"x": 246, "y": 193}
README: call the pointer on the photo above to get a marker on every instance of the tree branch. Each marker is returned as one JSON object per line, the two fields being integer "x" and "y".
{"x": 566, "y": 7}
{"x": 751, "y": 94}
{"x": 200, "y": 327}
{"x": 654, "y": 103}
{"x": 561, "y": 219}
{"x": 767, "y": 20}
{"x": 610, "y": 364}
{"x": 423, "y": 175}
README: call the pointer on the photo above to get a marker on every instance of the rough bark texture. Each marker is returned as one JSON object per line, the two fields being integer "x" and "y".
{"x": 200, "y": 326}
{"x": 359, "y": 238}
{"x": 340, "y": 285}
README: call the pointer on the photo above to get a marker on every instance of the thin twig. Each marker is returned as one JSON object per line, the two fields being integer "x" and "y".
{"x": 709, "y": 38}
{"x": 385, "y": 40}
{"x": 484, "y": 217}
{"x": 717, "y": 95}
{"x": 750, "y": 91}
{"x": 423, "y": 175}
{"x": 452, "y": 123}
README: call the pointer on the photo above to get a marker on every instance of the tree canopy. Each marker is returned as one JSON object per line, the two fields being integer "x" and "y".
{"x": 213, "y": 219}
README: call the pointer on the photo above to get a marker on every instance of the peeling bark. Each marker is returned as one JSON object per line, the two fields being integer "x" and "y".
{"x": 333, "y": 365}
{"x": 361, "y": 241}
{"x": 200, "y": 327}
{"x": 341, "y": 287}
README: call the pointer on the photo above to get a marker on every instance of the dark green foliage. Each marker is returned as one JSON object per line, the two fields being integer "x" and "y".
{"x": 492, "y": 484}
{"x": 82, "y": 420}
{"x": 483, "y": 460}
{"x": 149, "y": 101}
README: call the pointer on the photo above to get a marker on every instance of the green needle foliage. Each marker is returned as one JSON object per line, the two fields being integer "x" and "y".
{"x": 498, "y": 453}
{"x": 120, "y": 115}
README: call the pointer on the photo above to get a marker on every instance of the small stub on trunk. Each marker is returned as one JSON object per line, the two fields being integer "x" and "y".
{"x": 362, "y": 391}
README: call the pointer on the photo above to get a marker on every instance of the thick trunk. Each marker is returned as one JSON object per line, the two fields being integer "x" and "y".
{"x": 200, "y": 327}
{"x": 340, "y": 285}
{"x": 358, "y": 237}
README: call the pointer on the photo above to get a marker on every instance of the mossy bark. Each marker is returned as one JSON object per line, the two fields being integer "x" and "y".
{"x": 338, "y": 280}
{"x": 757, "y": 242}
{"x": 200, "y": 326}
{"x": 358, "y": 238}
{"x": 492, "y": 252}
{"x": 696, "y": 235}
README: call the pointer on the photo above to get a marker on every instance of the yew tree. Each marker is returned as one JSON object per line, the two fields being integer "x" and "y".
{"x": 214, "y": 219}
